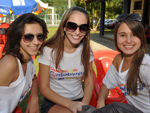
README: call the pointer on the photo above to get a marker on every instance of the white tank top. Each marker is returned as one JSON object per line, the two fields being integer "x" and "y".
{"x": 12, "y": 95}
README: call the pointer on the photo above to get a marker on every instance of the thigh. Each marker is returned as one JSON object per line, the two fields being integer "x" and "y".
{"x": 60, "y": 109}
{"x": 47, "y": 104}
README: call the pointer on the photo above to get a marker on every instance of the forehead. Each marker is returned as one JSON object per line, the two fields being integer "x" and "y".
{"x": 124, "y": 28}
{"x": 34, "y": 28}
{"x": 78, "y": 18}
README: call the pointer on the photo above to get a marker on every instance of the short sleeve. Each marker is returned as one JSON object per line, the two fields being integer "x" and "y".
{"x": 145, "y": 70}
{"x": 45, "y": 57}
{"x": 110, "y": 79}
{"x": 91, "y": 55}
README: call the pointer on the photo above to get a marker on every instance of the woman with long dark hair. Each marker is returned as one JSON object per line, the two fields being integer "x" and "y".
{"x": 24, "y": 38}
{"x": 65, "y": 60}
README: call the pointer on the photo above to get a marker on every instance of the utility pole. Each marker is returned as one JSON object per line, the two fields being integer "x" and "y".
{"x": 69, "y": 3}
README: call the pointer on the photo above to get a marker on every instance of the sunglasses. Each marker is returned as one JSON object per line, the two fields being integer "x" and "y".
{"x": 71, "y": 27}
{"x": 29, "y": 37}
{"x": 133, "y": 16}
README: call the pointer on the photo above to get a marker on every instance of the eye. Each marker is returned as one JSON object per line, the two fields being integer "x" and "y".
{"x": 133, "y": 35}
{"x": 122, "y": 35}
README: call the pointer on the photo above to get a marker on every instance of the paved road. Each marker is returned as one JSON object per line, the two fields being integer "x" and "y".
{"x": 99, "y": 43}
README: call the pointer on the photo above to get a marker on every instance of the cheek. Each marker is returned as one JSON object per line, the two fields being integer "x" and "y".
{"x": 138, "y": 41}
{"x": 120, "y": 41}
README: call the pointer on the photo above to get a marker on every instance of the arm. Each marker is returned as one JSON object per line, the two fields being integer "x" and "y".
{"x": 33, "y": 105}
{"x": 103, "y": 93}
{"x": 88, "y": 86}
{"x": 44, "y": 75}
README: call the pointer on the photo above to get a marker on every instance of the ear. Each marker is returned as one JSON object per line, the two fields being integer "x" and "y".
{"x": 64, "y": 33}
{"x": 64, "y": 28}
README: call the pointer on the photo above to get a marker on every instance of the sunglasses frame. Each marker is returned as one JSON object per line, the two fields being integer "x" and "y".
{"x": 134, "y": 16}
{"x": 80, "y": 27}
{"x": 31, "y": 37}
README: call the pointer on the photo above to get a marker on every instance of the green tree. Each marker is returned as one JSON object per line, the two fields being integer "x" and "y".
{"x": 113, "y": 8}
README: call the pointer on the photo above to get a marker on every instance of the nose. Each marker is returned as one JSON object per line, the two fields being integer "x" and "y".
{"x": 128, "y": 39}
{"x": 35, "y": 40}
{"x": 77, "y": 31}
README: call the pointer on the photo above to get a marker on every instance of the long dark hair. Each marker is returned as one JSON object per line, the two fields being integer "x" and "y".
{"x": 16, "y": 31}
{"x": 57, "y": 40}
{"x": 133, "y": 75}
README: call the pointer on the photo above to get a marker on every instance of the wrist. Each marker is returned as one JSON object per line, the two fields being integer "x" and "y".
{"x": 68, "y": 104}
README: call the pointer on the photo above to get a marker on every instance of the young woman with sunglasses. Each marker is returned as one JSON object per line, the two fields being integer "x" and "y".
{"x": 130, "y": 70}
{"x": 24, "y": 38}
{"x": 66, "y": 59}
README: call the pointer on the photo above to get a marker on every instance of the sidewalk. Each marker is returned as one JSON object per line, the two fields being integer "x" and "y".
{"x": 102, "y": 42}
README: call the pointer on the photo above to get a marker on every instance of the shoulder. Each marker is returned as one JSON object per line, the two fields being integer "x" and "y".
{"x": 9, "y": 67}
{"x": 9, "y": 61}
{"x": 117, "y": 60}
{"x": 46, "y": 48}
{"x": 146, "y": 59}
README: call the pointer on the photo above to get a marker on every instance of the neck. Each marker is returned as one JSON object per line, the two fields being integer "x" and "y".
{"x": 69, "y": 47}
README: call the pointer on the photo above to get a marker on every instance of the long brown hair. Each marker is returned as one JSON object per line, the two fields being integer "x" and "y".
{"x": 57, "y": 40}
{"x": 133, "y": 75}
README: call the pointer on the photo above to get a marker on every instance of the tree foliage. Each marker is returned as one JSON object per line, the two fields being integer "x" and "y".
{"x": 112, "y": 10}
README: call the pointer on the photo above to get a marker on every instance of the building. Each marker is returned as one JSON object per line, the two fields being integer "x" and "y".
{"x": 141, "y": 7}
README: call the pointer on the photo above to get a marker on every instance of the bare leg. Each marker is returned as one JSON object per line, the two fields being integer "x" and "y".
{"x": 59, "y": 109}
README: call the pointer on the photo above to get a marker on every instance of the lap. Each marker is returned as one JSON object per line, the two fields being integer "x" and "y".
{"x": 51, "y": 107}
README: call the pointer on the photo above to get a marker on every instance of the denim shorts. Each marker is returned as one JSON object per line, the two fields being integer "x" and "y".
{"x": 47, "y": 104}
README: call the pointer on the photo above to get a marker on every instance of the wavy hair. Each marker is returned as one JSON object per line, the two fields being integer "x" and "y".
{"x": 137, "y": 28}
{"x": 16, "y": 31}
{"x": 57, "y": 40}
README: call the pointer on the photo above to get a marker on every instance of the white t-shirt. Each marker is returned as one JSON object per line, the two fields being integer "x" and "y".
{"x": 67, "y": 81}
{"x": 114, "y": 79}
{"x": 12, "y": 95}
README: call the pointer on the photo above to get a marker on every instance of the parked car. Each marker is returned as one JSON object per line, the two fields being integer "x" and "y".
{"x": 110, "y": 24}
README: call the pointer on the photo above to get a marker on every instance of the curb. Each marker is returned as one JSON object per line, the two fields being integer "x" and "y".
{"x": 106, "y": 37}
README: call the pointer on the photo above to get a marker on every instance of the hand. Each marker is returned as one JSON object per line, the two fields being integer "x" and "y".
{"x": 33, "y": 105}
{"x": 76, "y": 106}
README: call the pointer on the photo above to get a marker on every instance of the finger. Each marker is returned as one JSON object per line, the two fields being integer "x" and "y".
{"x": 74, "y": 111}
{"x": 79, "y": 108}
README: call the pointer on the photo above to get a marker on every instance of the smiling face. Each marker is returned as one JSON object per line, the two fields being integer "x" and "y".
{"x": 127, "y": 42}
{"x": 73, "y": 38}
{"x": 31, "y": 48}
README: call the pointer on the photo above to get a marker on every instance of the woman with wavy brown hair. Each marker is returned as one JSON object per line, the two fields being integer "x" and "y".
{"x": 17, "y": 71}
{"x": 130, "y": 69}
{"x": 66, "y": 59}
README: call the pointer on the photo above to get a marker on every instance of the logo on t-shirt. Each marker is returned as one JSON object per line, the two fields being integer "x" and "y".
{"x": 66, "y": 74}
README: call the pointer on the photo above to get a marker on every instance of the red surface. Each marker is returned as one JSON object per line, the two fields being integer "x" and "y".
{"x": 103, "y": 60}
{"x": 17, "y": 110}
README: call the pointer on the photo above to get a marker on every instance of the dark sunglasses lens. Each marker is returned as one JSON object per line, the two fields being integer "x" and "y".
{"x": 41, "y": 38}
{"x": 83, "y": 28}
{"x": 121, "y": 17}
{"x": 133, "y": 16}
{"x": 136, "y": 17}
{"x": 28, "y": 38}
{"x": 71, "y": 26}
